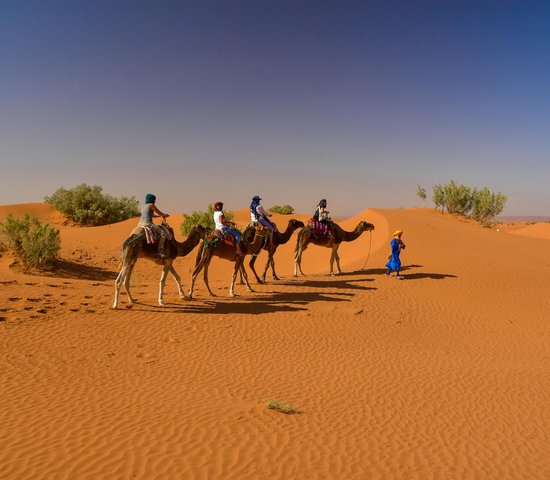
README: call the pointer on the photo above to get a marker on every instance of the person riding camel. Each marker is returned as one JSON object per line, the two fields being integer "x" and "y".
{"x": 322, "y": 222}
{"x": 259, "y": 215}
{"x": 321, "y": 213}
{"x": 225, "y": 226}
{"x": 149, "y": 211}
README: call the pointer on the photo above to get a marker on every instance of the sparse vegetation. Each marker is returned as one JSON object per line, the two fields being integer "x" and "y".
{"x": 481, "y": 205}
{"x": 206, "y": 219}
{"x": 37, "y": 245}
{"x": 421, "y": 193}
{"x": 87, "y": 205}
{"x": 281, "y": 407}
{"x": 284, "y": 209}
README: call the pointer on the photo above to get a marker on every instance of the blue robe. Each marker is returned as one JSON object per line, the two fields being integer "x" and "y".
{"x": 394, "y": 263}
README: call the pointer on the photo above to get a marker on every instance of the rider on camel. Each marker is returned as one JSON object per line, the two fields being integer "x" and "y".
{"x": 259, "y": 215}
{"x": 225, "y": 226}
{"x": 149, "y": 211}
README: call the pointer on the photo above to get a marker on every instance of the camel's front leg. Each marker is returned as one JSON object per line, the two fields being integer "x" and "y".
{"x": 275, "y": 277}
{"x": 251, "y": 265}
{"x": 178, "y": 282}
{"x": 127, "y": 278}
{"x": 337, "y": 257}
{"x": 164, "y": 274}
{"x": 243, "y": 273}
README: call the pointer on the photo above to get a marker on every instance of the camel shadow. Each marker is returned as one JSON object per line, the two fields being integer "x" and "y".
{"x": 408, "y": 276}
{"x": 254, "y": 305}
{"x": 73, "y": 270}
{"x": 343, "y": 284}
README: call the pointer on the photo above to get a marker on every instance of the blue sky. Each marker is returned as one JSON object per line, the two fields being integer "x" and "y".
{"x": 197, "y": 101}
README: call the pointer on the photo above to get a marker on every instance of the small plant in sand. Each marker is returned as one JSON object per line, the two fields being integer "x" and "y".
{"x": 282, "y": 209}
{"x": 206, "y": 219}
{"x": 421, "y": 193}
{"x": 37, "y": 245}
{"x": 90, "y": 206}
{"x": 285, "y": 408}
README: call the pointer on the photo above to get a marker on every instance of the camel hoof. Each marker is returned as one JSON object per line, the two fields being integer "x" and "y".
{"x": 114, "y": 307}
{"x": 232, "y": 295}
{"x": 249, "y": 290}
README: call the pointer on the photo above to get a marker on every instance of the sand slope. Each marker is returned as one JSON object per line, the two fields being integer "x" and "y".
{"x": 538, "y": 230}
{"x": 445, "y": 374}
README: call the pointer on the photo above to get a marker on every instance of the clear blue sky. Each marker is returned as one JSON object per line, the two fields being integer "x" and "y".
{"x": 293, "y": 100}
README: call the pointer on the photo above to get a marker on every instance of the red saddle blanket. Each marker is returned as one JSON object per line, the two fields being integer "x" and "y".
{"x": 319, "y": 228}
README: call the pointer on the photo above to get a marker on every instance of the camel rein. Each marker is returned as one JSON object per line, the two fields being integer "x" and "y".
{"x": 370, "y": 244}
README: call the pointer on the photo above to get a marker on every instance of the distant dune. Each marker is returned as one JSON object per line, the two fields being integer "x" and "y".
{"x": 444, "y": 374}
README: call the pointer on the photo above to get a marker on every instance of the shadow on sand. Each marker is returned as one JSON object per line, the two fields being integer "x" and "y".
{"x": 407, "y": 276}
{"x": 67, "y": 269}
{"x": 255, "y": 304}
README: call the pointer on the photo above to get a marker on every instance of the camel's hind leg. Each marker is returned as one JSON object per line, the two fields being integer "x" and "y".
{"x": 243, "y": 273}
{"x": 251, "y": 265}
{"x": 165, "y": 269}
{"x": 205, "y": 278}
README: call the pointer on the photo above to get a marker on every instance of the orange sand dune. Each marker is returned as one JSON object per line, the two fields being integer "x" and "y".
{"x": 538, "y": 230}
{"x": 444, "y": 374}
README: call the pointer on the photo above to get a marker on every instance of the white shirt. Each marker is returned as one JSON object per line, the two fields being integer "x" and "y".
{"x": 261, "y": 212}
{"x": 217, "y": 220}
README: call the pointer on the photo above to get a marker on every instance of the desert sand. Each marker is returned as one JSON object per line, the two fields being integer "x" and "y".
{"x": 443, "y": 375}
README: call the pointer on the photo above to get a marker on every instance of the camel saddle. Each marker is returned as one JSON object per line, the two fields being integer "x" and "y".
{"x": 320, "y": 229}
{"x": 151, "y": 235}
{"x": 216, "y": 236}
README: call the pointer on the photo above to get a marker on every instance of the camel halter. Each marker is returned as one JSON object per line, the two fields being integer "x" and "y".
{"x": 370, "y": 244}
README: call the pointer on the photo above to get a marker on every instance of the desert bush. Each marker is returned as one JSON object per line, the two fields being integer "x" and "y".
{"x": 88, "y": 205}
{"x": 37, "y": 245}
{"x": 457, "y": 198}
{"x": 482, "y": 205}
{"x": 284, "y": 209}
{"x": 438, "y": 196}
{"x": 206, "y": 219}
{"x": 421, "y": 193}
{"x": 486, "y": 205}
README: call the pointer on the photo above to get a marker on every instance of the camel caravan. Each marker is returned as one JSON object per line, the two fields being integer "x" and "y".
{"x": 157, "y": 243}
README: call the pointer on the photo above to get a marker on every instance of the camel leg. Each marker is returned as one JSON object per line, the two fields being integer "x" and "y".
{"x": 298, "y": 260}
{"x": 275, "y": 277}
{"x": 205, "y": 277}
{"x": 164, "y": 274}
{"x": 233, "y": 277}
{"x": 251, "y": 265}
{"x": 118, "y": 283}
{"x": 178, "y": 282}
{"x": 337, "y": 257}
{"x": 199, "y": 266}
{"x": 243, "y": 272}
{"x": 127, "y": 279}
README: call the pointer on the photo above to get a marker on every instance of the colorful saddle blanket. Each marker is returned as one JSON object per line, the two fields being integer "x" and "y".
{"x": 319, "y": 228}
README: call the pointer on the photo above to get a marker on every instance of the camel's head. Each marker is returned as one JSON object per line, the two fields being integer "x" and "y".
{"x": 295, "y": 224}
{"x": 365, "y": 226}
{"x": 201, "y": 230}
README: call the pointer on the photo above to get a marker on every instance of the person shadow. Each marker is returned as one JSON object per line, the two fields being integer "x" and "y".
{"x": 407, "y": 276}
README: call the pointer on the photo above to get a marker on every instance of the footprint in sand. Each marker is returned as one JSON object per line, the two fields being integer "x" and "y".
{"x": 33, "y": 299}
{"x": 73, "y": 309}
{"x": 3, "y": 319}
{"x": 14, "y": 299}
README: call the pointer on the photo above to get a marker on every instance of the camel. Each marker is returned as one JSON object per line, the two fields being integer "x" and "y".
{"x": 271, "y": 247}
{"x": 214, "y": 246}
{"x": 306, "y": 236}
{"x": 136, "y": 246}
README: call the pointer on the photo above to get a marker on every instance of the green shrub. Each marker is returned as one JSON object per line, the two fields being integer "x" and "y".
{"x": 486, "y": 205}
{"x": 284, "y": 210}
{"x": 35, "y": 244}
{"x": 482, "y": 205}
{"x": 206, "y": 219}
{"x": 421, "y": 193}
{"x": 89, "y": 206}
{"x": 438, "y": 196}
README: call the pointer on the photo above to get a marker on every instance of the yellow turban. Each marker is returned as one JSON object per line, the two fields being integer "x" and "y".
{"x": 398, "y": 233}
